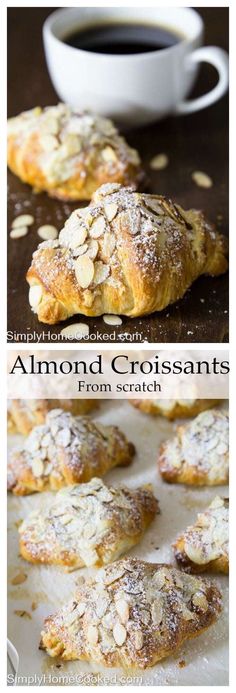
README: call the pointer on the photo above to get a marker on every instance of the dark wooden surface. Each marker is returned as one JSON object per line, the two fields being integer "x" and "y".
{"x": 198, "y": 141}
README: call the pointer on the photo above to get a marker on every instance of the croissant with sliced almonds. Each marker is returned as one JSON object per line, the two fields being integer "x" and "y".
{"x": 66, "y": 450}
{"x": 24, "y": 414}
{"x": 173, "y": 408}
{"x": 87, "y": 525}
{"x": 68, "y": 154}
{"x": 126, "y": 253}
{"x": 205, "y": 544}
{"x": 131, "y": 614}
{"x": 199, "y": 452}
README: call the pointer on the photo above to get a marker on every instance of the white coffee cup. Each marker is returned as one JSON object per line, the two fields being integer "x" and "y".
{"x": 132, "y": 89}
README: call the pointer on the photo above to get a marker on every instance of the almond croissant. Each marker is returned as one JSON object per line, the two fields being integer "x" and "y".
{"x": 66, "y": 450}
{"x": 127, "y": 253}
{"x": 69, "y": 154}
{"x": 131, "y": 614}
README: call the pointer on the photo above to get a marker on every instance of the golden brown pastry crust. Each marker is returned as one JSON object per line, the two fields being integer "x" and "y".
{"x": 69, "y": 155}
{"x": 131, "y": 614}
{"x": 205, "y": 545}
{"x": 140, "y": 253}
{"x": 66, "y": 450}
{"x": 199, "y": 452}
{"x": 24, "y": 414}
{"x": 176, "y": 409}
{"x": 88, "y": 524}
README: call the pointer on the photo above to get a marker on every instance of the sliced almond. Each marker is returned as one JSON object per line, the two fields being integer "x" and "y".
{"x": 106, "y": 189}
{"x": 77, "y": 237}
{"x": 72, "y": 144}
{"x": 157, "y": 612}
{"x": 48, "y": 232}
{"x": 49, "y": 143}
{"x": 108, "y": 244}
{"x": 19, "y": 579}
{"x": 122, "y": 608}
{"x": 19, "y": 232}
{"x": 89, "y": 531}
{"x": 35, "y": 295}
{"x": 22, "y": 220}
{"x": 159, "y": 162}
{"x": 101, "y": 272}
{"x": 98, "y": 227}
{"x": 111, "y": 210}
{"x": 92, "y": 634}
{"x": 199, "y": 600}
{"x": 37, "y": 467}
{"x": 109, "y": 155}
{"x": 138, "y": 640}
{"x": 80, "y": 609}
{"x": 46, "y": 440}
{"x": 112, "y": 320}
{"x": 160, "y": 579}
{"x": 119, "y": 634}
{"x": 80, "y": 250}
{"x": 202, "y": 179}
{"x": 50, "y": 125}
{"x": 78, "y": 330}
{"x": 84, "y": 271}
{"x": 92, "y": 249}
{"x": 64, "y": 437}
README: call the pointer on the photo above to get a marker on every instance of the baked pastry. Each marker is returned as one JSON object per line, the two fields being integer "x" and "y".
{"x": 199, "y": 452}
{"x": 173, "y": 408}
{"x": 66, "y": 450}
{"x": 69, "y": 154}
{"x": 205, "y": 545}
{"x": 87, "y": 525}
{"x": 127, "y": 253}
{"x": 24, "y": 414}
{"x": 131, "y": 614}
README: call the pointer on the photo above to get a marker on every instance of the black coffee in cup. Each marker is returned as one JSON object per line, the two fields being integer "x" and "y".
{"x": 120, "y": 38}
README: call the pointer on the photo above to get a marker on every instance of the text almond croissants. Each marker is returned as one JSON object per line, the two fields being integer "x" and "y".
{"x": 126, "y": 253}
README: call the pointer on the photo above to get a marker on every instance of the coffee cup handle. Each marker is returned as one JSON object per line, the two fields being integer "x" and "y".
{"x": 219, "y": 59}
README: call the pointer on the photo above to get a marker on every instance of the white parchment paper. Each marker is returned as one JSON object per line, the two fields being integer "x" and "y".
{"x": 201, "y": 661}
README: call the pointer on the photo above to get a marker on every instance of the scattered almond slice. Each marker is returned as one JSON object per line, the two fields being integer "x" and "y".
{"x": 34, "y": 606}
{"x": 84, "y": 271}
{"x": 112, "y": 320}
{"x": 159, "y": 162}
{"x": 22, "y": 220}
{"x": 78, "y": 330}
{"x": 19, "y": 578}
{"x": 202, "y": 179}
{"x": 98, "y": 227}
{"x": 48, "y": 232}
{"x": 22, "y": 613}
{"x": 19, "y": 232}
{"x": 35, "y": 295}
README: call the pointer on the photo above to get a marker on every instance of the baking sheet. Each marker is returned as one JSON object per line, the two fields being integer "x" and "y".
{"x": 202, "y": 661}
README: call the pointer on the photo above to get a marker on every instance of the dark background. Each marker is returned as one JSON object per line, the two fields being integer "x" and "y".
{"x": 195, "y": 142}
